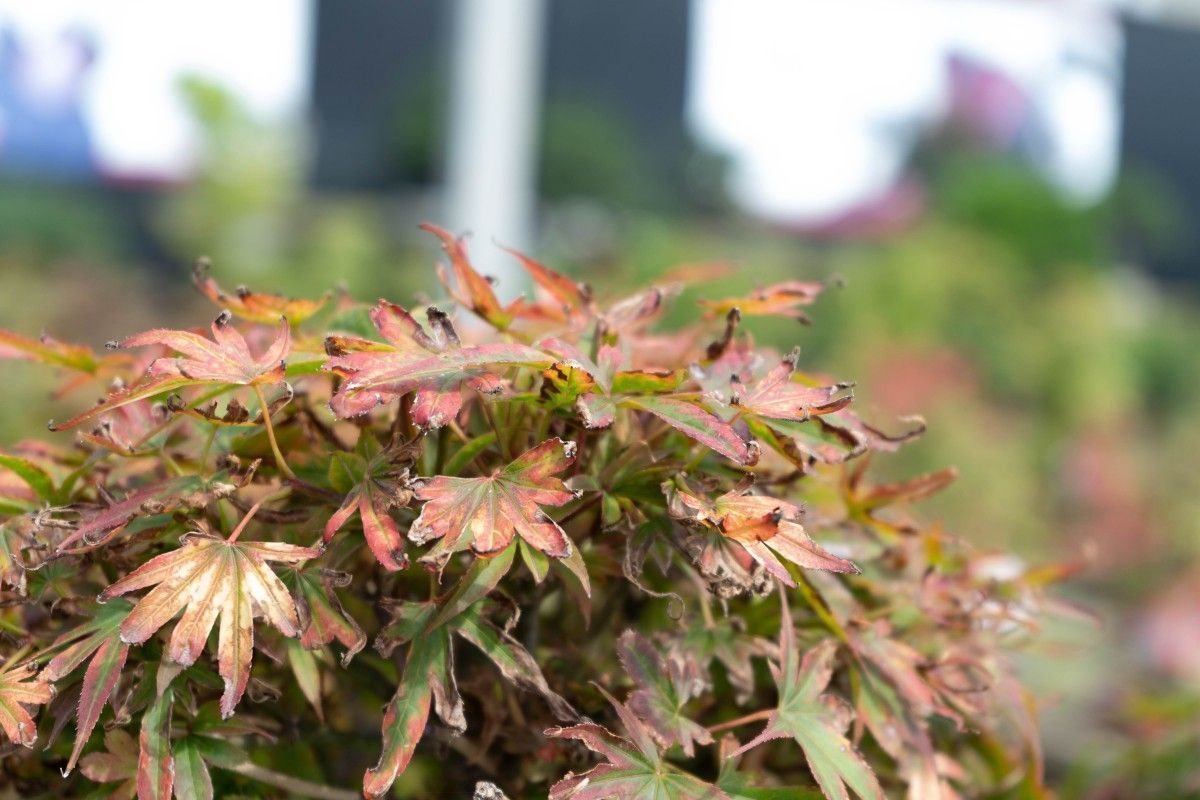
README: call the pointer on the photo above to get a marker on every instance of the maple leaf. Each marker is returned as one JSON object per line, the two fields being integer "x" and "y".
{"x": 21, "y": 689}
{"x": 485, "y": 513}
{"x": 98, "y": 640}
{"x": 763, "y": 526}
{"x": 96, "y": 526}
{"x": 604, "y": 387}
{"x": 117, "y": 762}
{"x": 377, "y": 485}
{"x": 726, "y": 641}
{"x": 253, "y": 306}
{"x": 406, "y": 713}
{"x": 779, "y": 398}
{"x": 633, "y": 769}
{"x": 322, "y": 618}
{"x": 207, "y": 577}
{"x": 436, "y": 366}
{"x": 664, "y": 687}
{"x": 778, "y": 300}
{"x": 224, "y": 359}
{"x": 567, "y": 301}
{"x": 816, "y": 720}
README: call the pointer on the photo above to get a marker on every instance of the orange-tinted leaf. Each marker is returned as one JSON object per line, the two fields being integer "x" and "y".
{"x": 763, "y": 526}
{"x": 20, "y": 690}
{"x": 779, "y": 300}
{"x": 469, "y": 289}
{"x": 48, "y": 350}
{"x": 571, "y": 300}
{"x": 484, "y": 513}
{"x": 254, "y": 306}
{"x": 226, "y": 358}
{"x": 778, "y": 397}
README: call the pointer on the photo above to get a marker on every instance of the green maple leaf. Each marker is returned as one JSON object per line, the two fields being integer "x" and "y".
{"x": 634, "y": 768}
{"x": 813, "y": 718}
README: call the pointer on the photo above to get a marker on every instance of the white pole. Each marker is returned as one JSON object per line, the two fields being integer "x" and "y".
{"x": 491, "y": 169}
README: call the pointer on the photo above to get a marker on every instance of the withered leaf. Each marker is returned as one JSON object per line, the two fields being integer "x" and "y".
{"x": 665, "y": 685}
{"x": 763, "y": 526}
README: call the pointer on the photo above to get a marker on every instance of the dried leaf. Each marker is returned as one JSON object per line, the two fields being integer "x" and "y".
{"x": 254, "y": 306}
{"x": 763, "y": 526}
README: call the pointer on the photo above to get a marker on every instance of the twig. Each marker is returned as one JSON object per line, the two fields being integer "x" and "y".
{"x": 294, "y": 786}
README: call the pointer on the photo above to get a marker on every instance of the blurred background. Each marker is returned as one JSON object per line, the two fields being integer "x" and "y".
{"x": 1009, "y": 189}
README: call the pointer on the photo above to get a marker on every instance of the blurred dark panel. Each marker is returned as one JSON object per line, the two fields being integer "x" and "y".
{"x": 615, "y": 81}
{"x": 374, "y": 63}
{"x": 1160, "y": 137}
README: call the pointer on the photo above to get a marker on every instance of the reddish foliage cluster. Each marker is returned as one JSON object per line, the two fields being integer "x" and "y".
{"x": 355, "y": 474}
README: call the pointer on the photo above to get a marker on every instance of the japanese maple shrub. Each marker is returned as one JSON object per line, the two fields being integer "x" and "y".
{"x": 593, "y": 559}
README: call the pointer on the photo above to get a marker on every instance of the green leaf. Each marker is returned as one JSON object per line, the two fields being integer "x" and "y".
{"x": 192, "y": 781}
{"x": 156, "y": 765}
{"x": 468, "y": 451}
{"x": 634, "y": 768}
{"x": 477, "y": 583}
{"x": 406, "y": 713}
{"x": 307, "y": 674}
{"x": 31, "y": 473}
{"x": 536, "y": 561}
{"x": 513, "y": 660}
{"x": 806, "y": 714}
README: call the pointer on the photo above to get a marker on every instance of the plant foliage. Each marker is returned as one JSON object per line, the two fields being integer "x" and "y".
{"x": 530, "y": 515}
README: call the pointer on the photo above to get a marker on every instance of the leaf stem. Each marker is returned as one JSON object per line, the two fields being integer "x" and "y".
{"x": 746, "y": 720}
{"x": 296, "y": 787}
{"x": 241, "y": 526}
{"x": 266, "y": 413}
{"x": 490, "y": 415}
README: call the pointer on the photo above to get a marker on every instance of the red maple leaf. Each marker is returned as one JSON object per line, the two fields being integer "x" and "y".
{"x": 484, "y": 514}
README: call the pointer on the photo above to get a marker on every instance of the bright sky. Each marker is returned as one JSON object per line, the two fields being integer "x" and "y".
{"x": 260, "y": 48}
{"x": 806, "y": 96}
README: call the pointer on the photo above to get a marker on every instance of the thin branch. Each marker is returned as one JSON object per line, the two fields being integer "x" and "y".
{"x": 296, "y": 787}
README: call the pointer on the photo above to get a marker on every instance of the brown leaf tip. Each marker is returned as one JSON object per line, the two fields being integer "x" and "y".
{"x": 223, "y": 318}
